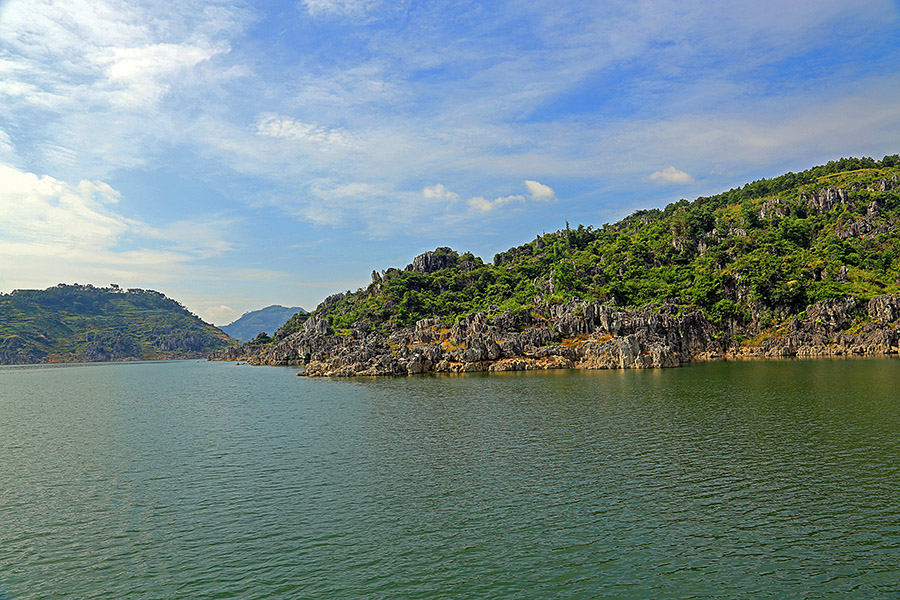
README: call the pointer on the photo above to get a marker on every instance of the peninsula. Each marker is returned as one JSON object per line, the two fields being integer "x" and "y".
{"x": 805, "y": 264}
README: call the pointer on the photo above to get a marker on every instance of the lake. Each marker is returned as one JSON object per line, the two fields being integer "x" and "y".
{"x": 214, "y": 480}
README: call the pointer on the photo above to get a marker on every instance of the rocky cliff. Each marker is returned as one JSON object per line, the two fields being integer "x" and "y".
{"x": 581, "y": 335}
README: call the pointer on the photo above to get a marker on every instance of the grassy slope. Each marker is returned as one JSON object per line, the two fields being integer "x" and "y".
{"x": 717, "y": 253}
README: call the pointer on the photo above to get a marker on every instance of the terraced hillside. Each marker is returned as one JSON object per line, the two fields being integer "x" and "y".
{"x": 85, "y": 323}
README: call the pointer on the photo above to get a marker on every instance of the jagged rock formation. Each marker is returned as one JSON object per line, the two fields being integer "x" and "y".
{"x": 579, "y": 335}
{"x": 841, "y": 327}
{"x": 429, "y": 262}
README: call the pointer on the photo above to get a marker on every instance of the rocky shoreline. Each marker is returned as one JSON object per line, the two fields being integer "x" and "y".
{"x": 582, "y": 335}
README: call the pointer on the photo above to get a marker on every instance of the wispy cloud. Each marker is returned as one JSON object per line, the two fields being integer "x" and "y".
{"x": 88, "y": 79}
{"x": 276, "y": 126}
{"x": 141, "y": 76}
{"x": 354, "y": 8}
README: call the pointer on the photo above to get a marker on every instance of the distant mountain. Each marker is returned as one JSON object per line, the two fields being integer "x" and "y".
{"x": 74, "y": 323}
{"x": 267, "y": 320}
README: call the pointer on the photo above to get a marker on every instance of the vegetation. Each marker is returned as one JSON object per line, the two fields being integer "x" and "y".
{"x": 291, "y": 326}
{"x": 86, "y": 323}
{"x": 773, "y": 246}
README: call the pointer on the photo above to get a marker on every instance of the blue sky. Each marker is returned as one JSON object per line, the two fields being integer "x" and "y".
{"x": 239, "y": 154}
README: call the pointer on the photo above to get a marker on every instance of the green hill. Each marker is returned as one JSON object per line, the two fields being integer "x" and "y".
{"x": 805, "y": 264}
{"x": 84, "y": 323}
{"x": 763, "y": 251}
{"x": 265, "y": 320}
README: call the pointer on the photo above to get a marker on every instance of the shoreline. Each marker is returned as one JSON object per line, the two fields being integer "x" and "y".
{"x": 583, "y": 335}
{"x": 49, "y": 363}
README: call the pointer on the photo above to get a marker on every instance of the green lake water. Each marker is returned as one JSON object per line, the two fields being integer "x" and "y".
{"x": 212, "y": 480}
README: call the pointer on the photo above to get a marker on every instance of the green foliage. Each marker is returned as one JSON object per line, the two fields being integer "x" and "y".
{"x": 564, "y": 275}
{"x": 262, "y": 339}
{"x": 292, "y": 325}
{"x": 716, "y": 253}
{"x": 87, "y": 323}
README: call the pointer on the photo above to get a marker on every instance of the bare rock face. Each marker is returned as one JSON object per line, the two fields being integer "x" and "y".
{"x": 868, "y": 226}
{"x": 884, "y": 309}
{"x": 581, "y": 335}
{"x": 838, "y": 328}
{"x": 884, "y": 185}
{"x": 832, "y": 316}
{"x": 432, "y": 261}
{"x": 634, "y": 351}
{"x": 584, "y": 335}
{"x": 775, "y": 207}
{"x": 826, "y": 199}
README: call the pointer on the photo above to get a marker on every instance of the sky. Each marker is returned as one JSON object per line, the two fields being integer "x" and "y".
{"x": 237, "y": 154}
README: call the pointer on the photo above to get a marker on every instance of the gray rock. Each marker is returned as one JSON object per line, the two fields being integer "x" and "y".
{"x": 429, "y": 262}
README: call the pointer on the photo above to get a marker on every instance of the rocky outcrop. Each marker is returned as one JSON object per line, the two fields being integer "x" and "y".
{"x": 841, "y": 327}
{"x": 824, "y": 200}
{"x": 776, "y": 207}
{"x": 580, "y": 335}
{"x": 429, "y": 262}
{"x": 868, "y": 226}
{"x": 583, "y": 335}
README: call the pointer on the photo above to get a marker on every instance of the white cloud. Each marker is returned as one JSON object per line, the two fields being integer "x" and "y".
{"x": 276, "y": 126}
{"x": 439, "y": 192}
{"x": 53, "y": 231}
{"x": 539, "y": 191}
{"x": 481, "y": 204}
{"x": 536, "y": 192}
{"x": 144, "y": 72}
{"x": 350, "y": 8}
{"x": 671, "y": 175}
{"x": 51, "y": 212}
{"x": 221, "y": 313}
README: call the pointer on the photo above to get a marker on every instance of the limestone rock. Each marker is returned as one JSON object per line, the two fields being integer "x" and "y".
{"x": 584, "y": 335}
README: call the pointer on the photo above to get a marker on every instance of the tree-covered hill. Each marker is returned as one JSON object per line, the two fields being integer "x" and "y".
{"x": 86, "y": 323}
{"x": 757, "y": 253}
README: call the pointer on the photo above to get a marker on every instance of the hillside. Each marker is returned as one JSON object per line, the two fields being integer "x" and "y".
{"x": 70, "y": 323}
{"x": 746, "y": 262}
{"x": 265, "y": 320}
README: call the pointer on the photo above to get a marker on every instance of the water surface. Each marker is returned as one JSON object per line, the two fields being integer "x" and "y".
{"x": 212, "y": 480}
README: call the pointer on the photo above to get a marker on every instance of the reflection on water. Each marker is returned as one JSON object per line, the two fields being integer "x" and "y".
{"x": 209, "y": 480}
